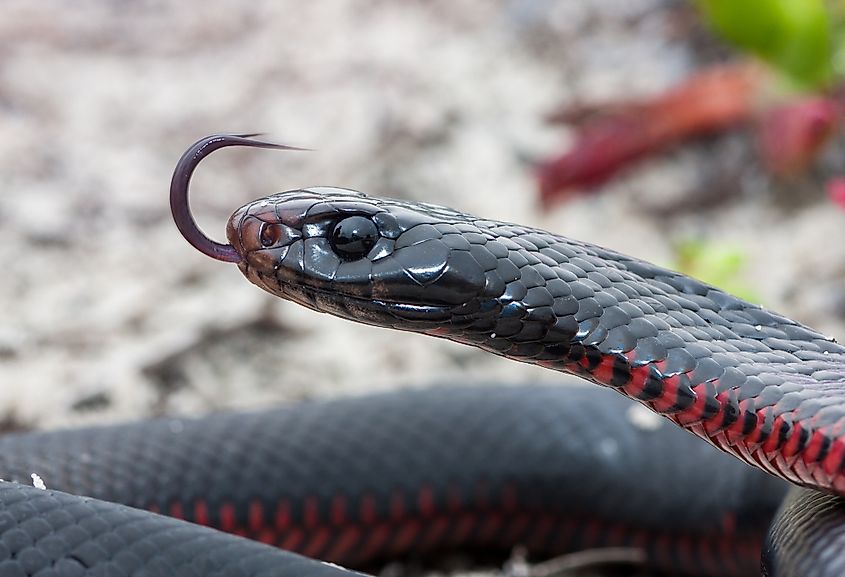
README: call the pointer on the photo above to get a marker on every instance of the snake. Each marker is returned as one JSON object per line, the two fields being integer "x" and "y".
{"x": 754, "y": 384}
{"x": 370, "y": 479}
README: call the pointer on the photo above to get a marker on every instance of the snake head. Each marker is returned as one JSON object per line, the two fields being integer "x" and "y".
{"x": 379, "y": 261}
{"x": 374, "y": 260}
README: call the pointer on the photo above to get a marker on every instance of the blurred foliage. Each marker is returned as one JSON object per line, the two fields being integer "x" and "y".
{"x": 837, "y": 11}
{"x": 719, "y": 265}
{"x": 801, "y": 38}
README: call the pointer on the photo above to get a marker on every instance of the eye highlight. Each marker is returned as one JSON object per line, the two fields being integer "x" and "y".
{"x": 353, "y": 237}
{"x": 269, "y": 234}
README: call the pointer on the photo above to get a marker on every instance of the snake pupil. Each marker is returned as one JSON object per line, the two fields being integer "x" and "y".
{"x": 270, "y": 234}
{"x": 353, "y": 237}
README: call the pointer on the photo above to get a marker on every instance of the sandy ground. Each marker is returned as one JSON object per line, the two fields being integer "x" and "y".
{"x": 108, "y": 314}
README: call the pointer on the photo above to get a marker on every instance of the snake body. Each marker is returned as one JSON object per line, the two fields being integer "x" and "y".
{"x": 397, "y": 475}
{"x": 755, "y": 384}
{"x": 762, "y": 387}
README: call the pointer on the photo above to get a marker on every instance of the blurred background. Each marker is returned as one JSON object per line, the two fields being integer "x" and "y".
{"x": 656, "y": 127}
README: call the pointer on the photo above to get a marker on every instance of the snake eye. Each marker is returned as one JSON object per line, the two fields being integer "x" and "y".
{"x": 269, "y": 234}
{"x": 353, "y": 237}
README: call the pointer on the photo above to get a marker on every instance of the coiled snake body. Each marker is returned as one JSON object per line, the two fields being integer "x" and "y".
{"x": 753, "y": 383}
{"x": 364, "y": 480}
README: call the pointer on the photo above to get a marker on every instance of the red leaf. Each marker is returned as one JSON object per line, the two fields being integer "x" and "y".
{"x": 836, "y": 191}
{"x": 790, "y": 135}
{"x": 707, "y": 102}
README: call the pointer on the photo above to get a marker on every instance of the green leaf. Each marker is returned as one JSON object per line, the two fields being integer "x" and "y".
{"x": 721, "y": 265}
{"x": 792, "y": 35}
{"x": 837, "y": 18}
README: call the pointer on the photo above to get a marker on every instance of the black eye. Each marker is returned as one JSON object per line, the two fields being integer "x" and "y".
{"x": 269, "y": 234}
{"x": 353, "y": 237}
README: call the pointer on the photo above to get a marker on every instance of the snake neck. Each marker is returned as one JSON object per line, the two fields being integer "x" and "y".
{"x": 754, "y": 383}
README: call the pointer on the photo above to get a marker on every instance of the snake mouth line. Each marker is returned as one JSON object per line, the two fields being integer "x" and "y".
{"x": 348, "y": 306}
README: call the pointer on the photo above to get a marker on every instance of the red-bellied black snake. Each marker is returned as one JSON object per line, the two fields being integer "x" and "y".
{"x": 753, "y": 383}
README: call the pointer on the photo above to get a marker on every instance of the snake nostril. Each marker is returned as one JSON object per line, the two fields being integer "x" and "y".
{"x": 354, "y": 237}
{"x": 269, "y": 234}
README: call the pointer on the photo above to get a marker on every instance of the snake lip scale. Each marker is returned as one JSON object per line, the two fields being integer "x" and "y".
{"x": 368, "y": 311}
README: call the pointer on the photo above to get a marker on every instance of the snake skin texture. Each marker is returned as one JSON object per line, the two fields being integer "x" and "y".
{"x": 53, "y": 534}
{"x": 361, "y": 480}
{"x": 760, "y": 386}
{"x": 809, "y": 527}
